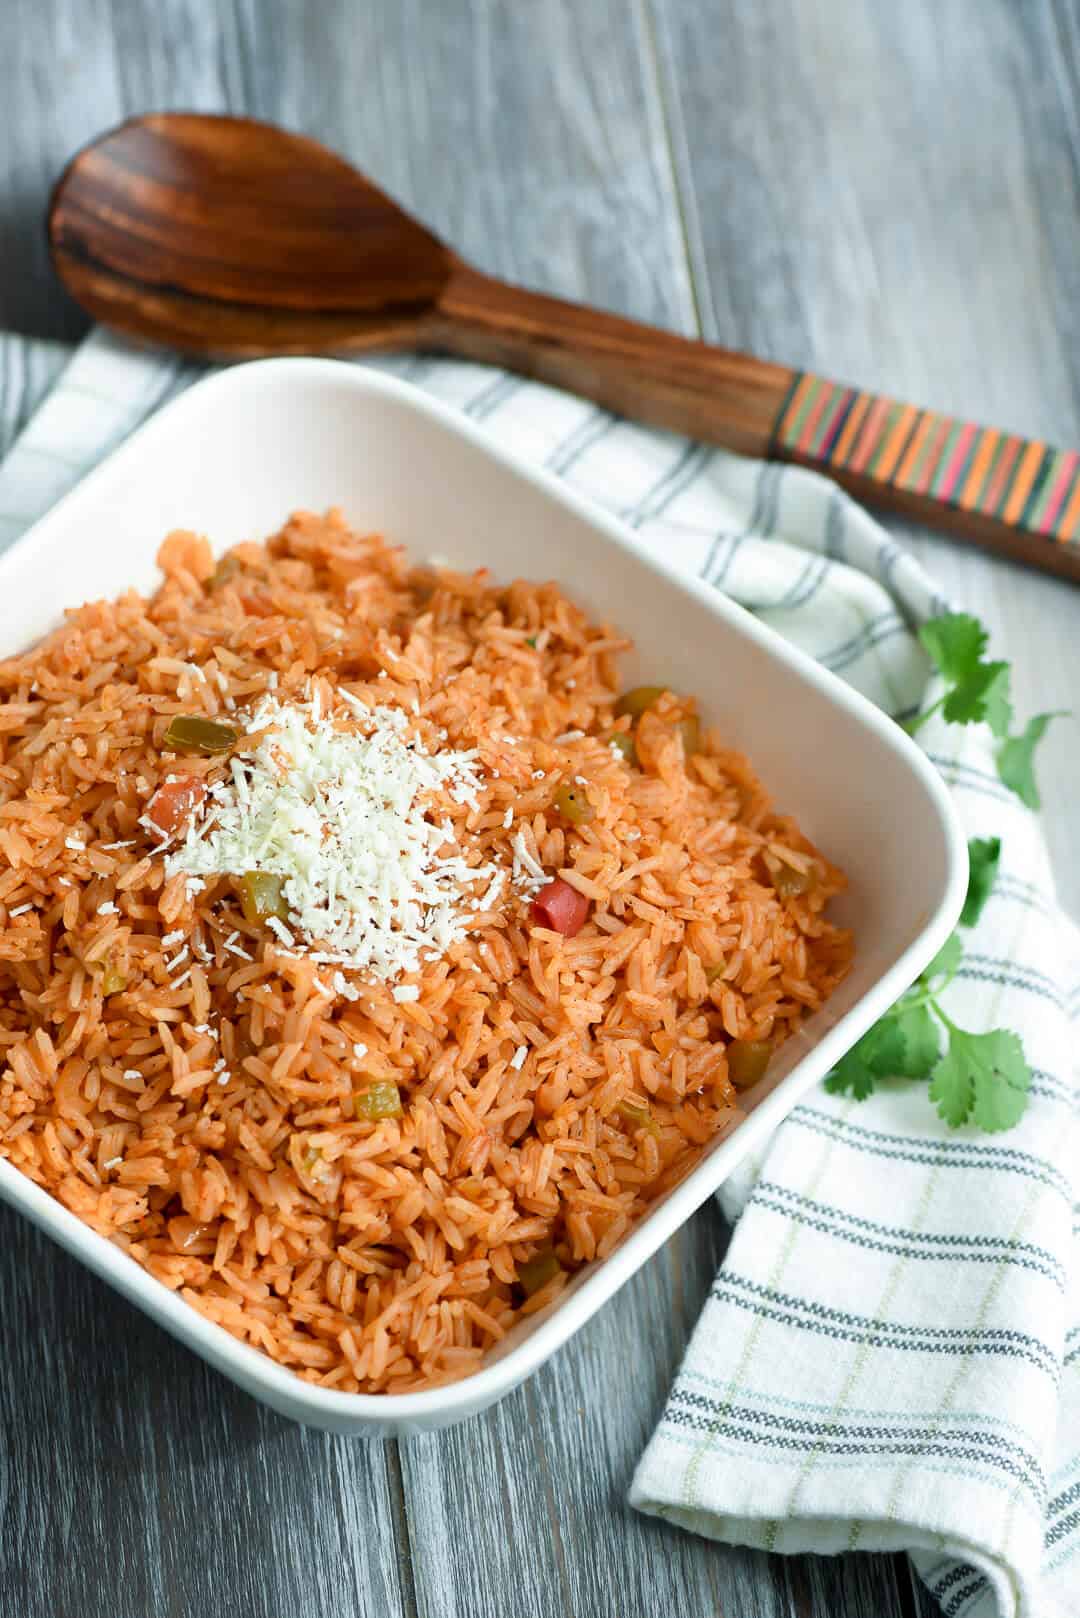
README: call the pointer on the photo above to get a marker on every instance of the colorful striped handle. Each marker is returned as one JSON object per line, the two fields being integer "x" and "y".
{"x": 1018, "y": 495}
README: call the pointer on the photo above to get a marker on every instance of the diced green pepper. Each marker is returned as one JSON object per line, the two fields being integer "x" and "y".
{"x": 262, "y": 894}
{"x": 194, "y": 733}
{"x": 113, "y": 981}
{"x": 531, "y": 640}
{"x": 572, "y": 803}
{"x": 789, "y": 882}
{"x": 747, "y": 1060}
{"x": 623, "y": 740}
{"x": 713, "y": 972}
{"x": 640, "y": 1116}
{"x": 635, "y": 701}
{"x": 381, "y": 1099}
{"x": 537, "y": 1271}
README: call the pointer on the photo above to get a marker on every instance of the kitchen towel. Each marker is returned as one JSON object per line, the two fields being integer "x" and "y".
{"x": 889, "y": 1358}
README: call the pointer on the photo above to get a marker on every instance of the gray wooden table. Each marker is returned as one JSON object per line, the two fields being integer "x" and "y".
{"x": 886, "y": 193}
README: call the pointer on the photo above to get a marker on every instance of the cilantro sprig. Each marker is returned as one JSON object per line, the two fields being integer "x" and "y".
{"x": 977, "y": 691}
{"x": 976, "y": 1078}
{"x": 973, "y": 1078}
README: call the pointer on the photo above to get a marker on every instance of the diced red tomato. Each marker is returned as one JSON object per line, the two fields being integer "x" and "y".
{"x": 175, "y": 801}
{"x": 560, "y": 907}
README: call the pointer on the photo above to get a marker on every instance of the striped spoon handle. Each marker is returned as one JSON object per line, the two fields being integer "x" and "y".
{"x": 1015, "y": 495}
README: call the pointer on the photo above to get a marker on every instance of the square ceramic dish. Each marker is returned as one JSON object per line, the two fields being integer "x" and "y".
{"x": 237, "y": 453}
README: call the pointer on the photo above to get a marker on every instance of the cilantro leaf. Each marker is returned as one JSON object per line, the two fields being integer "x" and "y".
{"x": 982, "y": 1077}
{"x": 946, "y": 961}
{"x": 976, "y": 690}
{"x": 955, "y": 642}
{"x": 997, "y": 700}
{"x": 851, "y": 1076}
{"x": 952, "y": 1088}
{"x": 984, "y": 856}
{"x": 879, "y": 1054}
{"x": 922, "y": 1043}
{"x": 1016, "y": 761}
{"x": 982, "y": 694}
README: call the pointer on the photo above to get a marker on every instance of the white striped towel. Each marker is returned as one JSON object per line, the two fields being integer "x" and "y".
{"x": 890, "y": 1355}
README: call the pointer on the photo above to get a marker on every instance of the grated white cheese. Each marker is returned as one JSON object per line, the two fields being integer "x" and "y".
{"x": 359, "y": 1050}
{"x": 342, "y": 816}
{"x": 74, "y": 842}
{"x": 518, "y": 1059}
{"x": 20, "y": 910}
{"x": 406, "y": 991}
{"x": 130, "y": 842}
{"x": 508, "y": 818}
{"x": 279, "y": 928}
{"x": 172, "y": 938}
{"x": 524, "y": 856}
{"x": 529, "y": 874}
{"x": 107, "y": 909}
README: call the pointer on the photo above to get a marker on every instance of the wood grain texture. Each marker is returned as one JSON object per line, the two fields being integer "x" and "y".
{"x": 855, "y": 188}
{"x": 237, "y": 211}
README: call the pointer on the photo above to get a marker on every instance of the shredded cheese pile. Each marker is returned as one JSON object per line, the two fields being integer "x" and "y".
{"x": 344, "y": 818}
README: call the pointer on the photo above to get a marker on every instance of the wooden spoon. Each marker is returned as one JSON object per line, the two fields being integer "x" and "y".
{"x": 227, "y": 238}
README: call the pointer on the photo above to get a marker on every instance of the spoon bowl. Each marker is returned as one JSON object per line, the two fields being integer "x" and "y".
{"x": 225, "y": 237}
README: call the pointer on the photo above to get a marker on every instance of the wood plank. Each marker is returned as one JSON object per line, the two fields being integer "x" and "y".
{"x": 527, "y": 137}
{"x": 133, "y": 1480}
{"x": 887, "y": 194}
{"x": 560, "y": 1453}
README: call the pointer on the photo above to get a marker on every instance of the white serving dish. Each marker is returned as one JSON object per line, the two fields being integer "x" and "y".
{"x": 239, "y": 451}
